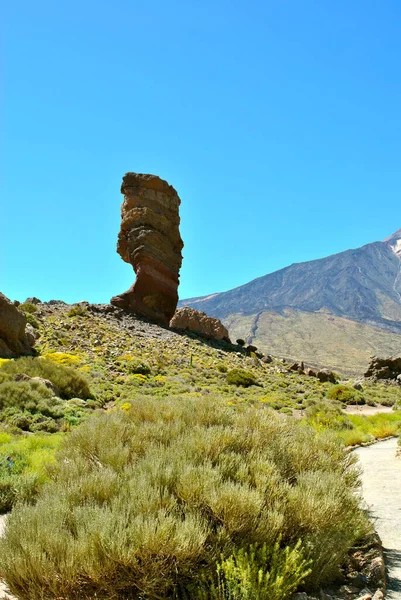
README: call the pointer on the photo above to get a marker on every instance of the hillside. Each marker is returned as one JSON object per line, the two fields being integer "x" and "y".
{"x": 335, "y": 311}
{"x": 181, "y": 440}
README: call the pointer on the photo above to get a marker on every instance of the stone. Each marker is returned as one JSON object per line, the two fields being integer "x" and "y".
{"x": 33, "y": 300}
{"x": 150, "y": 241}
{"x": 267, "y": 359}
{"x": 31, "y": 333}
{"x": 310, "y": 372}
{"x": 194, "y": 320}
{"x": 251, "y": 348}
{"x": 384, "y": 368}
{"x": 378, "y": 595}
{"x": 377, "y": 572}
{"x": 13, "y": 339}
{"x": 45, "y": 382}
{"x": 325, "y": 375}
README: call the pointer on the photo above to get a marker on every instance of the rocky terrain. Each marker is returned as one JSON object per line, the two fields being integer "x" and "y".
{"x": 14, "y": 339}
{"x": 193, "y": 320}
{"x": 335, "y": 311}
{"x": 197, "y": 427}
{"x": 150, "y": 241}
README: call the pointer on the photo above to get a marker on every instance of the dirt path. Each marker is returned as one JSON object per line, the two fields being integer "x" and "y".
{"x": 3, "y": 588}
{"x": 367, "y": 411}
{"x": 381, "y": 481}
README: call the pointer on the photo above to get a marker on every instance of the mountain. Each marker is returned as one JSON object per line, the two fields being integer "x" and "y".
{"x": 334, "y": 311}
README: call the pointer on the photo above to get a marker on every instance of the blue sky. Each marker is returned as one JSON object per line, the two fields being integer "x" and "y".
{"x": 278, "y": 122}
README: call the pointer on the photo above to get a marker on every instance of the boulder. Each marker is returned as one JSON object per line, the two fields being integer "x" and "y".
{"x": 267, "y": 359}
{"x": 13, "y": 339}
{"x": 32, "y": 300}
{"x": 310, "y": 372}
{"x": 384, "y": 368}
{"x": 45, "y": 382}
{"x": 251, "y": 348}
{"x": 326, "y": 376}
{"x": 194, "y": 320}
{"x": 150, "y": 241}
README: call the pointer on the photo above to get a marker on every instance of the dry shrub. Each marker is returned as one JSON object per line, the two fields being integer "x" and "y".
{"x": 70, "y": 382}
{"x": 146, "y": 502}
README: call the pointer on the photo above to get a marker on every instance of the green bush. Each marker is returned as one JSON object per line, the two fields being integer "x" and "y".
{"x": 138, "y": 368}
{"x": 242, "y": 378}
{"x": 30, "y": 406}
{"x": 258, "y": 573}
{"x": 23, "y": 467}
{"x": 70, "y": 382}
{"x": 322, "y": 414}
{"x": 28, "y": 308}
{"x": 345, "y": 394}
{"x": 77, "y": 311}
{"x": 143, "y": 503}
{"x": 32, "y": 320}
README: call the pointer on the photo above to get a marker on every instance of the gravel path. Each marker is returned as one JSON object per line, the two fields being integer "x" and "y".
{"x": 381, "y": 481}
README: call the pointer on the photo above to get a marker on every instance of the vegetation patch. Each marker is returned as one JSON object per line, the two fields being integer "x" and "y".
{"x": 345, "y": 394}
{"x": 176, "y": 498}
{"x": 23, "y": 466}
{"x": 69, "y": 382}
{"x": 242, "y": 378}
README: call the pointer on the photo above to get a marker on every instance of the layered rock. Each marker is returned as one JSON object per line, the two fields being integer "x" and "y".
{"x": 150, "y": 241}
{"x": 14, "y": 340}
{"x": 194, "y": 320}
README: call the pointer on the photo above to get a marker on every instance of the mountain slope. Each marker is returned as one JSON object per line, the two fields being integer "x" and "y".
{"x": 356, "y": 286}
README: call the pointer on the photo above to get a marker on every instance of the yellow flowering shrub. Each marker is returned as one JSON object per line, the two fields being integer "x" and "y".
{"x": 138, "y": 377}
{"x": 63, "y": 358}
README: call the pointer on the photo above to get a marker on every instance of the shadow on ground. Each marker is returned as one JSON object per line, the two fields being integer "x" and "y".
{"x": 393, "y": 563}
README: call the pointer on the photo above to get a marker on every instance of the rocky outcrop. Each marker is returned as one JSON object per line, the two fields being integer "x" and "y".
{"x": 14, "y": 340}
{"x": 326, "y": 376}
{"x": 150, "y": 241}
{"x": 194, "y": 320}
{"x": 384, "y": 368}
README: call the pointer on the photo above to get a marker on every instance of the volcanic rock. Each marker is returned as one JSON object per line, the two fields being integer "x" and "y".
{"x": 150, "y": 241}
{"x": 325, "y": 375}
{"x": 14, "y": 341}
{"x": 194, "y": 320}
{"x": 384, "y": 368}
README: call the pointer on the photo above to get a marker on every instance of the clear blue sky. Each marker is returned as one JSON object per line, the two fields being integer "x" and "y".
{"x": 277, "y": 121}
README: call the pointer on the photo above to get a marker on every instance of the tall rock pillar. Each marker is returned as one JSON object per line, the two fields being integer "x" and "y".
{"x": 150, "y": 241}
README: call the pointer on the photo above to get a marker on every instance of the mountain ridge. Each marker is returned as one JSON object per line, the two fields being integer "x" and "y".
{"x": 360, "y": 285}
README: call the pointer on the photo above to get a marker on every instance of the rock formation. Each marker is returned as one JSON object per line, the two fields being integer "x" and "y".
{"x": 14, "y": 341}
{"x": 194, "y": 320}
{"x": 384, "y": 368}
{"x": 150, "y": 241}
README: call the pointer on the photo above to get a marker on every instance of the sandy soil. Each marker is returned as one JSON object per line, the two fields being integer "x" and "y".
{"x": 366, "y": 410}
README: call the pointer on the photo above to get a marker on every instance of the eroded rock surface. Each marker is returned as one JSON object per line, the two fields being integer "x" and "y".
{"x": 150, "y": 241}
{"x": 384, "y": 368}
{"x": 194, "y": 320}
{"x": 14, "y": 340}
